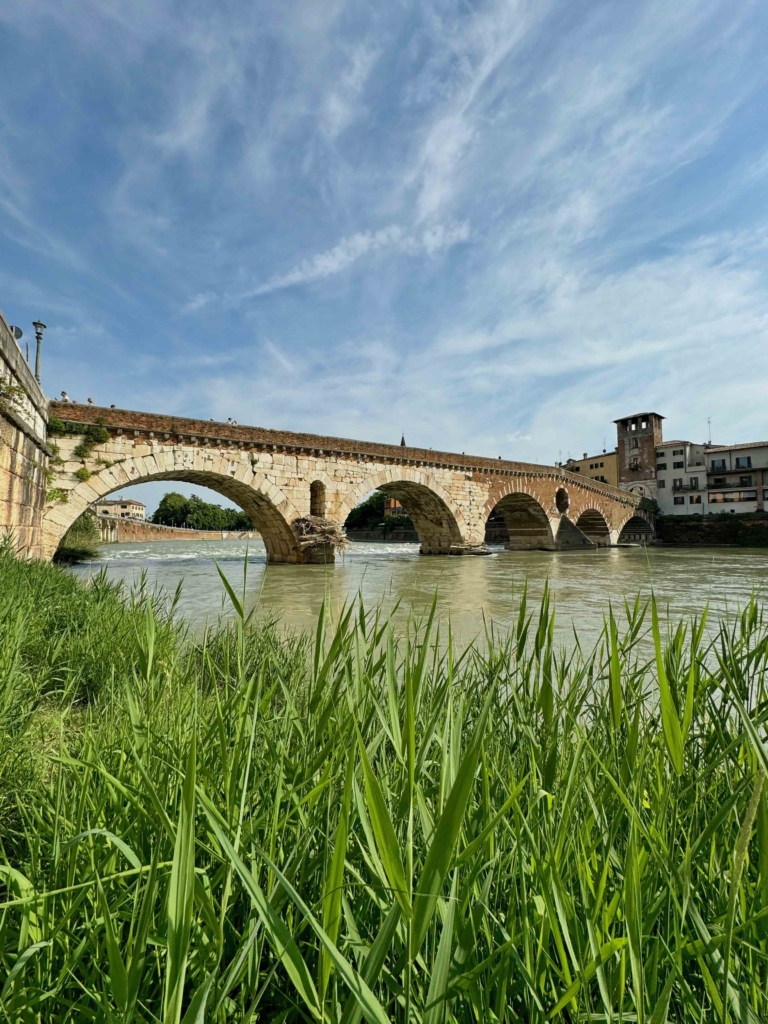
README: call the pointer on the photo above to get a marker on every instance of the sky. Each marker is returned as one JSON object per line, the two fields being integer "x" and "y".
{"x": 493, "y": 226}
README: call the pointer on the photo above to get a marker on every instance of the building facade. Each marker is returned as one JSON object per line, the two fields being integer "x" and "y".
{"x": 701, "y": 479}
{"x": 681, "y": 478}
{"x": 737, "y": 477}
{"x": 603, "y": 467}
{"x": 126, "y": 508}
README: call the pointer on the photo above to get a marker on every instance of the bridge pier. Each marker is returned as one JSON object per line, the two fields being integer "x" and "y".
{"x": 570, "y": 538}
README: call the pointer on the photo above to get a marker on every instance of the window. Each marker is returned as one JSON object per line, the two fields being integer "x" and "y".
{"x": 744, "y": 462}
{"x": 679, "y": 501}
{"x": 694, "y": 482}
{"x": 661, "y": 465}
{"x": 745, "y": 481}
{"x": 677, "y": 451}
{"x": 634, "y": 426}
{"x": 601, "y": 465}
{"x": 719, "y": 481}
{"x": 644, "y": 424}
{"x": 317, "y": 498}
{"x": 677, "y": 483}
{"x": 660, "y": 455}
{"x": 635, "y": 442}
{"x": 695, "y": 499}
{"x": 730, "y": 497}
{"x": 716, "y": 464}
{"x": 678, "y": 465}
{"x": 662, "y": 483}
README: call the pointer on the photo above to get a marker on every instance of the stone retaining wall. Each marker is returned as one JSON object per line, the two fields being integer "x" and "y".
{"x": 116, "y": 530}
{"x": 24, "y": 452}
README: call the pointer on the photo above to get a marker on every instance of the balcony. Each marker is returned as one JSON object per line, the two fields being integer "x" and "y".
{"x": 676, "y": 488}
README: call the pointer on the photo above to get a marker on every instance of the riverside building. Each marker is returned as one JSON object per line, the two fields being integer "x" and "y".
{"x": 706, "y": 478}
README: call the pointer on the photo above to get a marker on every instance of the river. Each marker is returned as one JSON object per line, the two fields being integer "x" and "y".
{"x": 473, "y": 591}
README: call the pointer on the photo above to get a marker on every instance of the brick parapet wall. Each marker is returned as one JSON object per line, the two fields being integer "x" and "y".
{"x": 191, "y": 431}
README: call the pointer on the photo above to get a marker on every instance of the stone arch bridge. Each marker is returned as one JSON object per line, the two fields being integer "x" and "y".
{"x": 279, "y": 478}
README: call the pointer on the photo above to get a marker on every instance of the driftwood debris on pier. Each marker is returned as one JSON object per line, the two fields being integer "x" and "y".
{"x": 316, "y": 531}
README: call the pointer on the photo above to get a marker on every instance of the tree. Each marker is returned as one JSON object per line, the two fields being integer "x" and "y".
{"x": 368, "y": 514}
{"x": 176, "y": 510}
{"x": 172, "y": 510}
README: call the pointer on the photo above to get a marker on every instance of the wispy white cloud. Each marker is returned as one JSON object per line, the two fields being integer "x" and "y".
{"x": 607, "y": 158}
{"x": 354, "y": 247}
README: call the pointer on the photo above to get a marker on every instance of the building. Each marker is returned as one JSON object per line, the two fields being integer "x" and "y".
{"x": 126, "y": 508}
{"x": 737, "y": 477}
{"x": 708, "y": 478}
{"x": 681, "y": 478}
{"x": 638, "y": 437}
{"x": 392, "y": 507}
{"x": 603, "y": 467}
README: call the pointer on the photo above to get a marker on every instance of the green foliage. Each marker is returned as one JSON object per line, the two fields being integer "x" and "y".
{"x": 92, "y": 434}
{"x": 81, "y": 541}
{"x": 176, "y": 510}
{"x": 369, "y": 515}
{"x": 57, "y": 427}
{"x": 11, "y": 393}
{"x": 245, "y": 826}
{"x": 57, "y": 494}
{"x": 83, "y": 473}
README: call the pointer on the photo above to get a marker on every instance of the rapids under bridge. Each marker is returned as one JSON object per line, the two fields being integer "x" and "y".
{"x": 289, "y": 482}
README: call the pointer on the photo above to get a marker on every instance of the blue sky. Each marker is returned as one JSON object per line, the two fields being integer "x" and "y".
{"x": 495, "y": 226}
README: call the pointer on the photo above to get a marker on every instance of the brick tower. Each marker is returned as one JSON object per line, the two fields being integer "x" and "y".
{"x": 637, "y": 438}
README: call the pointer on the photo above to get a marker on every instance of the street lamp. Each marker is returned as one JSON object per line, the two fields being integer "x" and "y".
{"x": 39, "y": 328}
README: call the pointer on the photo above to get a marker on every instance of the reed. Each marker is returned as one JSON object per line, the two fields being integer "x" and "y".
{"x": 372, "y": 825}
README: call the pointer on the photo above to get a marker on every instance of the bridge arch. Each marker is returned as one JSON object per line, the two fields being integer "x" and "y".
{"x": 265, "y": 503}
{"x": 636, "y": 530}
{"x": 435, "y": 516}
{"x": 593, "y": 524}
{"x": 528, "y": 525}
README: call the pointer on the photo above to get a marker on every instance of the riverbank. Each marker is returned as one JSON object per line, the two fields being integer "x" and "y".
{"x": 253, "y": 824}
{"x": 715, "y": 530}
{"x": 117, "y": 530}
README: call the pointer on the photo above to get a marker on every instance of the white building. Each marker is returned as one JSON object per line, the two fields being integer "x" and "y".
{"x": 681, "y": 478}
{"x": 703, "y": 478}
{"x": 737, "y": 477}
{"x": 126, "y": 508}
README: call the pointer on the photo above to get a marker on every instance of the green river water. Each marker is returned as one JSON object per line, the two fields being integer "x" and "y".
{"x": 473, "y": 591}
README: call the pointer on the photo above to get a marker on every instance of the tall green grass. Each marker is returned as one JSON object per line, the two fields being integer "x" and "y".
{"x": 372, "y": 826}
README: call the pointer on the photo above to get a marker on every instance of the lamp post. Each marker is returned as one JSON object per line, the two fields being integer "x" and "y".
{"x": 39, "y": 328}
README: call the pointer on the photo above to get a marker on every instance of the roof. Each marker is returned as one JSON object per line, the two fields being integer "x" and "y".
{"x": 638, "y": 416}
{"x": 735, "y": 447}
{"x": 669, "y": 444}
{"x": 119, "y": 501}
{"x": 601, "y": 455}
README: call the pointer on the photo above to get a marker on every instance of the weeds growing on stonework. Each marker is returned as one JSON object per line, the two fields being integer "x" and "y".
{"x": 372, "y": 825}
